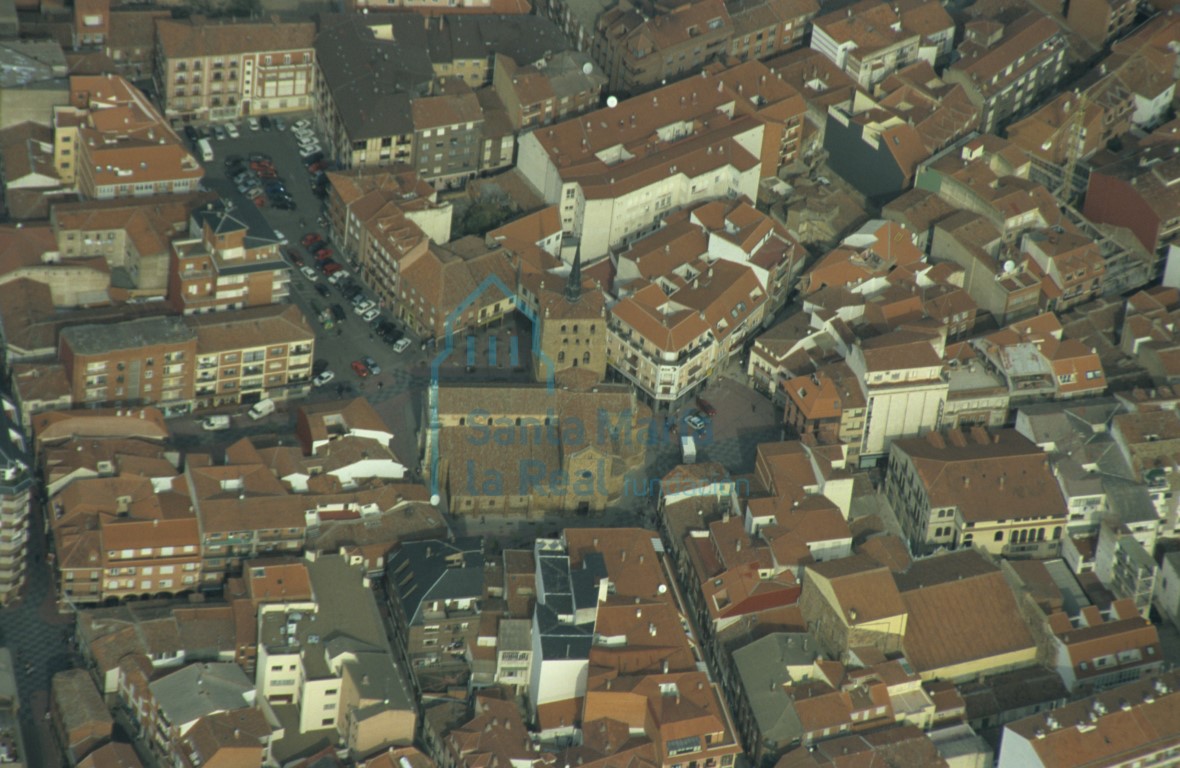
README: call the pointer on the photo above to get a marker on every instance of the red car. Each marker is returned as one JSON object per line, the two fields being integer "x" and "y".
{"x": 295, "y": 258}
{"x": 360, "y": 369}
{"x": 323, "y": 253}
{"x": 332, "y": 268}
{"x": 315, "y": 168}
{"x": 706, "y": 407}
{"x": 310, "y": 239}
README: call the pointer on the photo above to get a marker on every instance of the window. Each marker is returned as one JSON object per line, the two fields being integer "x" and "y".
{"x": 999, "y": 535}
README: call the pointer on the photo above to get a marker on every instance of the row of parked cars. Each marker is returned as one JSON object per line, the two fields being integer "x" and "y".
{"x": 257, "y": 178}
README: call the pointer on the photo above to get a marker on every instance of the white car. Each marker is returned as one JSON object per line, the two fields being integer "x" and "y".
{"x": 302, "y": 122}
{"x": 363, "y": 307}
{"x": 401, "y": 346}
{"x": 215, "y": 423}
{"x": 371, "y": 315}
{"x": 323, "y": 378}
{"x": 336, "y": 277}
{"x": 310, "y": 142}
{"x": 309, "y": 273}
{"x": 253, "y": 123}
{"x": 309, "y": 151}
{"x": 304, "y": 133}
{"x": 232, "y": 130}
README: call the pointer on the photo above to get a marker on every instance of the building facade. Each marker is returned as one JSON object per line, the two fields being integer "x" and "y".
{"x": 214, "y": 70}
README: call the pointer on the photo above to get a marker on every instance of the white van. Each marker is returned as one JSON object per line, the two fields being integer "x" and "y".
{"x": 262, "y": 408}
{"x": 206, "y": 150}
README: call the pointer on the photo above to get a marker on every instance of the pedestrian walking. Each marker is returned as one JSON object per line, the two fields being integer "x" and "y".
{"x": 753, "y": 408}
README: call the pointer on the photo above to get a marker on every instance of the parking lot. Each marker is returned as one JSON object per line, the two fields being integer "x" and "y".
{"x": 348, "y": 340}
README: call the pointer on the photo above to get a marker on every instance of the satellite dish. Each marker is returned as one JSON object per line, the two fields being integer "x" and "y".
{"x": 612, "y": 101}
{"x": 435, "y": 500}
{"x": 587, "y": 68}
{"x": 1009, "y": 266}
{"x": 662, "y": 589}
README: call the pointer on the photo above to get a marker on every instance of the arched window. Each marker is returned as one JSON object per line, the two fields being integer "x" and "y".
{"x": 586, "y": 359}
{"x": 561, "y": 356}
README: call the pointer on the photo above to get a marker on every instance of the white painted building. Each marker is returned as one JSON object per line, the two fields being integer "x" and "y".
{"x": 901, "y": 376}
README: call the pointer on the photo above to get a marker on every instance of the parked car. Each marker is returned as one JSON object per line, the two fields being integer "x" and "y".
{"x": 706, "y": 407}
{"x": 312, "y": 158}
{"x": 335, "y": 276}
{"x": 293, "y": 257}
{"x": 265, "y": 122}
{"x": 302, "y": 122}
{"x": 695, "y": 421}
{"x": 280, "y": 124}
{"x": 360, "y": 369}
{"x": 191, "y": 134}
{"x": 262, "y": 408}
{"x": 372, "y": 365}
{"x": 351, "y": 291}
{"x": 363, "y": 307}
{"x": 259, "y": 157}
{"x": 318, "y": 166}
{"x": 323, "y": 253}
{"x": 253, "y": 123}
{"x": 371, "y": 315}
{"x": 401, "y": 346}
{"x": 332, "y": 268}
{"x": 309, "y": 273}
{"x": 219, "y": 133}
{"x": 215, "y": 423}
{"x": 392, "y": 337}
{"x": 232, "y": 130}
{"x": 323, "y": 290}
{"x": 339, "y": 313}
{"x": 310, "y": 239}
{"x": 323, "y": 379}
{"x": 285, "y": 204}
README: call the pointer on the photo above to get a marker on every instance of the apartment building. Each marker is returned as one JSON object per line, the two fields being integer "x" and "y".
{"x": 134, "y": 362}
{"x": 434, "y": 286}
{"x": 354, "y": 690}
{"x": 1100, "y": 21}
{"x": 448, "y": 130}
{"x": 195, "y": 361}
{"x": 436, "y": 591}
{"x": 902, "y": 377}
{"x": 871, "y": 40}
{"x": 617, "y": 172}
{"x": 828, "y": 405}
{"x": 1006, "y": 69}
{"x": 369, "y": 76}
{"x": 639, "y": 52}
{"x": 1071, "y": 261}
{"x": 181, "y": 713}
{"x": 134, "y": 237}
{"x": 225, "y": 264}
{"x": 1093, "y": 652}
{"x": 227, "y": 69}
{"x": 1037, "y": 360}
{"x": 568, "y": 84}
{"x": 692, "y": 292}
{"x": 16, "y": 483}
{"x": 251, "y": 354}
{"x": 1092, "y": 728}
{"x": 110, "y": 141}
{"x": 765, "y": 28}
{"x": 991, "y": 490}
{"x": 117, "y": 538}
{"x": 1139, "y": 193}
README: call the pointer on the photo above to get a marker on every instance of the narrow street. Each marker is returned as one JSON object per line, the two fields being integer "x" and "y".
{"x": 39, "y": 640}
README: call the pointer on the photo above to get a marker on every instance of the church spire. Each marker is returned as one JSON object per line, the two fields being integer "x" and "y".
{"x": 573, "y": 283}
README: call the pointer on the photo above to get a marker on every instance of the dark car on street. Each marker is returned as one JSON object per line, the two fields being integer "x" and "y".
{"x": 323, "y": 290}
{"x": 339, "y": 313}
